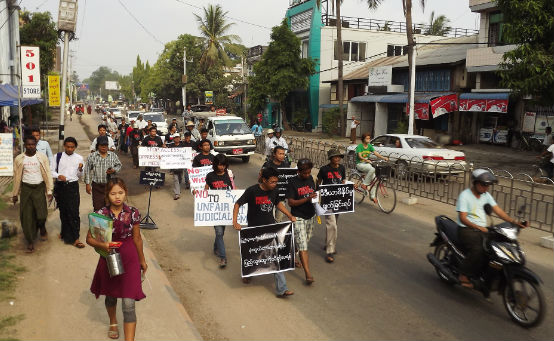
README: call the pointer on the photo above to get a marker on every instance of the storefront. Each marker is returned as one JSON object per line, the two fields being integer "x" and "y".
{"x": 493, "y": 118}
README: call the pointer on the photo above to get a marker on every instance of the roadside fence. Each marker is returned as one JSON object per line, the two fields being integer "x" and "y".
{"x": 520, "y": 195}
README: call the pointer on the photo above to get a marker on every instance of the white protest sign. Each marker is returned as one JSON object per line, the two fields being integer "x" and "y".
{"x": 175, "y": 158}
{"x": 149, "y": 156}
{"x": 197, "y": 177}
{"x": 6, "y": 155}
{"x": 215, "y": 207}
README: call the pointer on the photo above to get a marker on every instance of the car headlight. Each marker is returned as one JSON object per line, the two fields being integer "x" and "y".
{"x": 219, "y": 143}
{"x": 250, "y": 141}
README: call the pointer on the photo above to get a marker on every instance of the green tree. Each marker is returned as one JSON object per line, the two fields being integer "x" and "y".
{"x": 138, "y": 75}
{"x": 218, "y": 44}
{"x": 97, "y": 79}
{"x": 438, "y": 26}
{"x": 38, "y": 29}
{"x": 529, "y": 68}
{"x": 281, "y": 69}
{"x": 407, "y": 9}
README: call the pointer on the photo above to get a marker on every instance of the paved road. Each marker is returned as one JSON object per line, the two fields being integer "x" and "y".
{"x": 380, "y": 287}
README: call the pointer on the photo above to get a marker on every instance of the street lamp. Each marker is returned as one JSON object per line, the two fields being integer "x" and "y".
{"x": 67, "y": 20}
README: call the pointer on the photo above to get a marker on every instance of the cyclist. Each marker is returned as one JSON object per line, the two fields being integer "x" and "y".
{"x": 363, "y": 163}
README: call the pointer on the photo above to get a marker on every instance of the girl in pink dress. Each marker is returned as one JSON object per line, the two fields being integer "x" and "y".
{"x": 127, "y": 286}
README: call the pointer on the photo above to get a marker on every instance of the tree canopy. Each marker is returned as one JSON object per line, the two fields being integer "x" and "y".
{"x": 529, "y": 68}
{"x": 281, "y": 69}
{"x": 97, "y": 79}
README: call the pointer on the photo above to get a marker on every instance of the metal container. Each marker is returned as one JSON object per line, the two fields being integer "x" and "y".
{"x": 115, "y": 265}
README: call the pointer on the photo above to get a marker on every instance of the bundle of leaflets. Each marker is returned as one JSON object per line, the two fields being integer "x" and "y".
{"x": 100, "y": 228}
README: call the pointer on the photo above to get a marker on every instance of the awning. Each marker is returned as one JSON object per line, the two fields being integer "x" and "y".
{"x": 484, "y": 101}
{"x": 331, "y": 106}
{"x": 399, "y": 98}
{"x": 8, "y": 97}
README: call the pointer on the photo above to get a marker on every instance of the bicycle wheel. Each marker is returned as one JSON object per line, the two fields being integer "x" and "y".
{"x": 359, "y": 193}
{"x": 386, "y": 196}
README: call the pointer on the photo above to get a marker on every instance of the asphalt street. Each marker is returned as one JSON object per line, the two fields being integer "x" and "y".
{"x": 380, "y": 286}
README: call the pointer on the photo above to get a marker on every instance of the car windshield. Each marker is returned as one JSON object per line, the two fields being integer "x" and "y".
{"x": 133, "y": 114}
{"x": 154, "y": 117}
{"x": 421, "y": 143}
{"x": 231, "y": 127}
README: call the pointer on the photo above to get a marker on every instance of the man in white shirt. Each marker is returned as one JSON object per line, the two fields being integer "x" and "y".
{"x": 66, "y": 169}
{"x": 140, "y": 123}
{"x": 102, "y": 131}
{"x": 278, "y": 140}
{"x": 31, "y": 181}
{"x": 547, "y": 138}
{"x": 353, "y": 126}
{"x": 42, "y": 146}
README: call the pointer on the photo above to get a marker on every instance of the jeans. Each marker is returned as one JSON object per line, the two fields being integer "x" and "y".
{"x": 280, "y": 283}
{"x": 370, "y": 175}
{"x": 219, "y": 244}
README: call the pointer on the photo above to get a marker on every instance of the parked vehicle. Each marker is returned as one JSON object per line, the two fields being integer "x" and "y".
{"x": 116, "y": 113}
{"x": 419, "y": 153}
{"x": 133, "y": 114}
{"x": 231, "y": 136}
{"x": 158, "y": 119}
{"x": 505, "y": 273}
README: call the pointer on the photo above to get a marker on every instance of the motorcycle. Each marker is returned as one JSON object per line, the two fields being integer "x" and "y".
{"x": 505, "y": 272}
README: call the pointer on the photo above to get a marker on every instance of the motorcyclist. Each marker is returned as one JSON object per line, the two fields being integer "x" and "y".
{"x": 472, "y": 219}
{"x": 278, "y": 140}
{"x": 268, "y": 143}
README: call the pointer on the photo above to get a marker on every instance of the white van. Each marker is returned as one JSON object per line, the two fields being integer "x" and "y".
{"x": 231, "y": 136}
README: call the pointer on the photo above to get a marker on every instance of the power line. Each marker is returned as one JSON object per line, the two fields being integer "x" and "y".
{"x": 9, "y": 15}
{"x": 41, "y": 4}
{"x": 140, "y": 24}
{"x": 236, "y": 19}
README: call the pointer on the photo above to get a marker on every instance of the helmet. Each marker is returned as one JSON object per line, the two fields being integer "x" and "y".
{"x": 270, "y": 131}
{"x": 278, "y": 130}
{"x": 483, "y": 176}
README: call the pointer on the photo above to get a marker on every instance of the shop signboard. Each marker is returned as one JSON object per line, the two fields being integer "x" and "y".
{"x": 54, "y": 90}
{"x": 421, "y": 110}
{"x": 380, "y": 76}
{"x": 497, "y": 105}
{"x": 444, "y": 104}
{"x": 209, "y": 97}
{"x": 30, "y": 72}
{"x": 529, "y": 122}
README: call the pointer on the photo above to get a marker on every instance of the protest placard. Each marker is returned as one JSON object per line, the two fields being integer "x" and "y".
{"x": 284, "y": 175}
{"x": 152, "y": 178}
{"x": 197, "y": 177}
{"x": 336, "y": 199}
{"x": 6, "y": 155}
{"x": 175, "y": 158}
{"x": 149, "y": 156}
{"x": 215, "y": 207}
{"x": 266, "y": 249}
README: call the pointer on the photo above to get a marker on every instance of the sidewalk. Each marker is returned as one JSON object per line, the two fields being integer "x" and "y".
{"x": 54, "y": 293}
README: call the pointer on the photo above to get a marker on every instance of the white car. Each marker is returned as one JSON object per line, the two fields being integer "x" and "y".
{"x": 132, "y": 115}
{"x": 158, "y": 119}
{"x": 419, "y": 153}
{"x": 116, "y": 113}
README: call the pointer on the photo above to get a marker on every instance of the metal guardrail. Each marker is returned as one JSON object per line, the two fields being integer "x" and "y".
{"x": 443, "y": 182}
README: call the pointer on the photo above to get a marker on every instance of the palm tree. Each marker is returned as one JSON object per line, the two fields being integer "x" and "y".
{"x": 217, "y": 43}
{"x": 407, "y": 7}
{"x": 437, "y": 26}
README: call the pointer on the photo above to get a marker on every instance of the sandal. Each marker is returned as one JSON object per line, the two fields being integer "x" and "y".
{"x": 309, "y": 280}
{"x": 79, "y": 245}
{"x": 285, "y": 294}
{"x": 465, "y": 282}
{"x": 30, "y": 248}
{"x": 329, "y": 258}
{"x": 113, "y": 334}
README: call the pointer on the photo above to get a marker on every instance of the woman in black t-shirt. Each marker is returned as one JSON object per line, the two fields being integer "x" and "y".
{"x": 300, "y": 192}
{"x": 332, "y": 174}
{"x": 261, "y": 199}
{"x": 220, "y": 179}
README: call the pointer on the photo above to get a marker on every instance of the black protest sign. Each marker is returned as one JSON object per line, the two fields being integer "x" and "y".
{"x": 266, "y": 249}
{"x": 152, "y": 178}
{"x": 336, "y": 199}
{"x": 284, "y": 175}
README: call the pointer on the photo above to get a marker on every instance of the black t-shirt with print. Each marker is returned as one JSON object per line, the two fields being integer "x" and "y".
{"x": 331, "y": 176}
{"x": 260, "y": 205}
{"x": 215, "y": 181}
{"x": 135, "y": 137}
{"x": 198, "y": 146}
{"x": 297, "y": 189}
{"x": 202, "y": 160}
{"x": 149, "y": 141}
{"x": 270, "y": 164}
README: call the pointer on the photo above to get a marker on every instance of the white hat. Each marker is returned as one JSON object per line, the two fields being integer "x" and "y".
{"x": 270, "y": 131}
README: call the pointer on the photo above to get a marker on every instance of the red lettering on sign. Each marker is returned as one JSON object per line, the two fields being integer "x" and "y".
{"x": 29, "y": 53}
{"x": 30, "y": 65}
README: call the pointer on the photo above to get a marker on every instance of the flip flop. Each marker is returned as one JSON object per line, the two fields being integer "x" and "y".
{"x": 309, "y": 280}
{"x": 329, "y": 258}
{"x": 30, "y": 249}
{"x": 113, "y": 334}
{"x": 286, "y": 294}
{"x": 79, "y": 245}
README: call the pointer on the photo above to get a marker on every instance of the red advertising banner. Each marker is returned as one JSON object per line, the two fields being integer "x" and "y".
{"x": 497, "y": 105}
{"x": 473, "y": 104}
{"x": 421, "y": 110}
{"x": 444, "y": 104}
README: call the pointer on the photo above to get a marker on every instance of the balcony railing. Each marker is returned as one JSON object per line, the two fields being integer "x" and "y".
{"x": 391, "y": 26}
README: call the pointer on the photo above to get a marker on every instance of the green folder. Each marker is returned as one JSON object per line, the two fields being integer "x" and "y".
{"x": 100, "y": 228}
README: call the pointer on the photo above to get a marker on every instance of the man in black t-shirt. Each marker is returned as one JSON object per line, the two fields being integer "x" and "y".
{"x": 331, "y": 174}
{"x": 261, "y": 199}
{"x": 300, "y": 192}
{"x": 278, "y": 160}
{"x": 152, "y": 139}
{"x": 187, "y": 142}
{"x": 205, "y": 158}
{"x": 204, "y": 137}
{"x": 135, "y": 138}
{"x": 123, "y": 135}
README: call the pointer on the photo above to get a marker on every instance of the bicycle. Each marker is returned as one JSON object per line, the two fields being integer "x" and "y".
{"x": 527, "y": 142}
{"x": 386, "y": 196}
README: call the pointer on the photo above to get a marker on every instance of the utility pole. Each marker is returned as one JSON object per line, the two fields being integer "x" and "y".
{"x": 244, "y": 89}
{"x": 69, "y": 78}
{"x": 184, "y": 88}
{"x": 412, "y": 92}
{"x": 67, "y": 20}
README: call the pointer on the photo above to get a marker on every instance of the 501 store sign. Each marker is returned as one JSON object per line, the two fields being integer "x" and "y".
{"x": 30, "y": 72}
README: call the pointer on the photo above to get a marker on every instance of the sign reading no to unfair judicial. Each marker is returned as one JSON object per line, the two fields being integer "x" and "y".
{"x": 215, "y": 207}
{"x": 266, "y": 249}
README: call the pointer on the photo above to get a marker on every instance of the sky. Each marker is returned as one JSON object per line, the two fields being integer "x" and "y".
{"x": 108, "y": 34}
